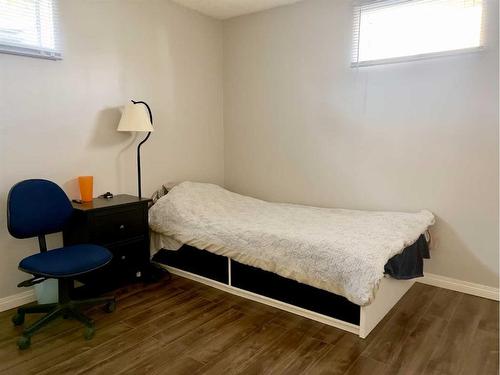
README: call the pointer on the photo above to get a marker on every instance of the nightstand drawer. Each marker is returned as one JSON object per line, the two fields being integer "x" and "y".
{"x": 118, "y": 226}
{"x": 132, "y": 251}
{"x": 129, "y": 258}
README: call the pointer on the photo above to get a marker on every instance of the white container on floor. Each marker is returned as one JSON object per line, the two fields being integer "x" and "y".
{"x": 47, "y": 291}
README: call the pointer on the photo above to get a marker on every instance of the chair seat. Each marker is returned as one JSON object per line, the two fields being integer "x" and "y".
{"x": 66, "y": 261}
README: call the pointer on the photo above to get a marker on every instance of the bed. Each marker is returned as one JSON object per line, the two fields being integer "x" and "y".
{"x": 331, "y": 265}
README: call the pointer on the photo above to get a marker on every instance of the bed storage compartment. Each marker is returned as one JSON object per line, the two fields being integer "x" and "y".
{"x": 289, "y": 295}
{"x": 255, "y": 280}
{"x": 292, "y": 292}
{"x": 199, "y": 262}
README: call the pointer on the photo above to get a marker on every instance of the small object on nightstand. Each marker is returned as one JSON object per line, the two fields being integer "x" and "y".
{"x": 86, "y": 184}
{"x": 106, "y": 195}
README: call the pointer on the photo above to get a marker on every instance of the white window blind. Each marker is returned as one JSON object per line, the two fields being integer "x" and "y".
{"x": 399, "y": 30}
{"x": 30, "y": 27}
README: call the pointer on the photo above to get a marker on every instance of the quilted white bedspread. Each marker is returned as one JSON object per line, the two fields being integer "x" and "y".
{"x": 338, "y": 250}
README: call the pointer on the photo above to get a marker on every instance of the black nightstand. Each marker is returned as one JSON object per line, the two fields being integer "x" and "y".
{"x": 121, "y": 225}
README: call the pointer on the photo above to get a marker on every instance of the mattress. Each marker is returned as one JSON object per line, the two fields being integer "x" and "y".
{"x": 342, "y": 251}
{"x": 407, "y": 265}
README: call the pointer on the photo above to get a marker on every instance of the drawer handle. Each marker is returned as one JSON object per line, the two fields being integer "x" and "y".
{"x": 122, "y": 226}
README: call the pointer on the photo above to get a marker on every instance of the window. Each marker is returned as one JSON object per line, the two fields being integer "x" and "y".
{"x": 29, "y": 27}
{"x": 399, "y": 30}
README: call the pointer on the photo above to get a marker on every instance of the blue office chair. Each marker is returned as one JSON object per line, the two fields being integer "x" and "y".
{"x": 36, "y": 208}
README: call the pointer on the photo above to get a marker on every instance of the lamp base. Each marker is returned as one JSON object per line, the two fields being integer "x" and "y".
{"x": 153, "y": 273}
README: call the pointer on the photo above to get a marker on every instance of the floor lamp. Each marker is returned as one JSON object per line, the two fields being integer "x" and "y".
{"x": 137, "y": 117}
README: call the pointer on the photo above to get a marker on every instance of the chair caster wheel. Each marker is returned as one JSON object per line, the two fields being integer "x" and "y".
{"x": 18, "y": 319}
{"x": 89, "y": 333}
{"x": 23, "y": 342}
{"x": 110, "y": 307}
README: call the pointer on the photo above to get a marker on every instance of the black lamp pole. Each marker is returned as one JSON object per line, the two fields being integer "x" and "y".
{"x": 139, "y": 147}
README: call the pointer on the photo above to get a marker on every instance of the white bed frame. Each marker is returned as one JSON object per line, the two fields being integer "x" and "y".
{"x": 389, "y": 293}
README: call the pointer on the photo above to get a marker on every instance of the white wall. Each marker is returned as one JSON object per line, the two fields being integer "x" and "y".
{"x": 302, "y": 126}
{"x": 58, "y": 119}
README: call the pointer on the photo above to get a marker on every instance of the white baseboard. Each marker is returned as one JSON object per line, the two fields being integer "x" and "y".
{"x": 16, "y": 300}
{"x": 460, "y": 286}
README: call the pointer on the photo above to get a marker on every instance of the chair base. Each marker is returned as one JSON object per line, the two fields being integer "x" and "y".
{"x": 66, "y": 308}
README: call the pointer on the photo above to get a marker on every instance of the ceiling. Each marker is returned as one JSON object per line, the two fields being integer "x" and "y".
{"x": 223, "y": 9}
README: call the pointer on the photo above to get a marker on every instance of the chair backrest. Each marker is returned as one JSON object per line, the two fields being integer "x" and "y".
{"x": 37, "y": 207}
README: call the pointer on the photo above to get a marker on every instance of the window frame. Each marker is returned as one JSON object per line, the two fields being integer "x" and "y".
{"x": 20, "y": 49}
{"x": 408, "y": 58}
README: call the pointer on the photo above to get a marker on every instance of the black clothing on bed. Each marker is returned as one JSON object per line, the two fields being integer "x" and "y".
{"x": 410, "y": 263}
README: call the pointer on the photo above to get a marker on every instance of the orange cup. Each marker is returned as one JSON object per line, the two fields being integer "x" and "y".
{"x": 86, "y": 187}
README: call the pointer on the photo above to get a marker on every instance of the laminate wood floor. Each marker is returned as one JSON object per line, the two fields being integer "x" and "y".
{"x": 182, "y": 327}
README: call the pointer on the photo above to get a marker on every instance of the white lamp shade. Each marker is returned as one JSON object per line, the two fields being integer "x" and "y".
{"x": 135, "y": 118}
